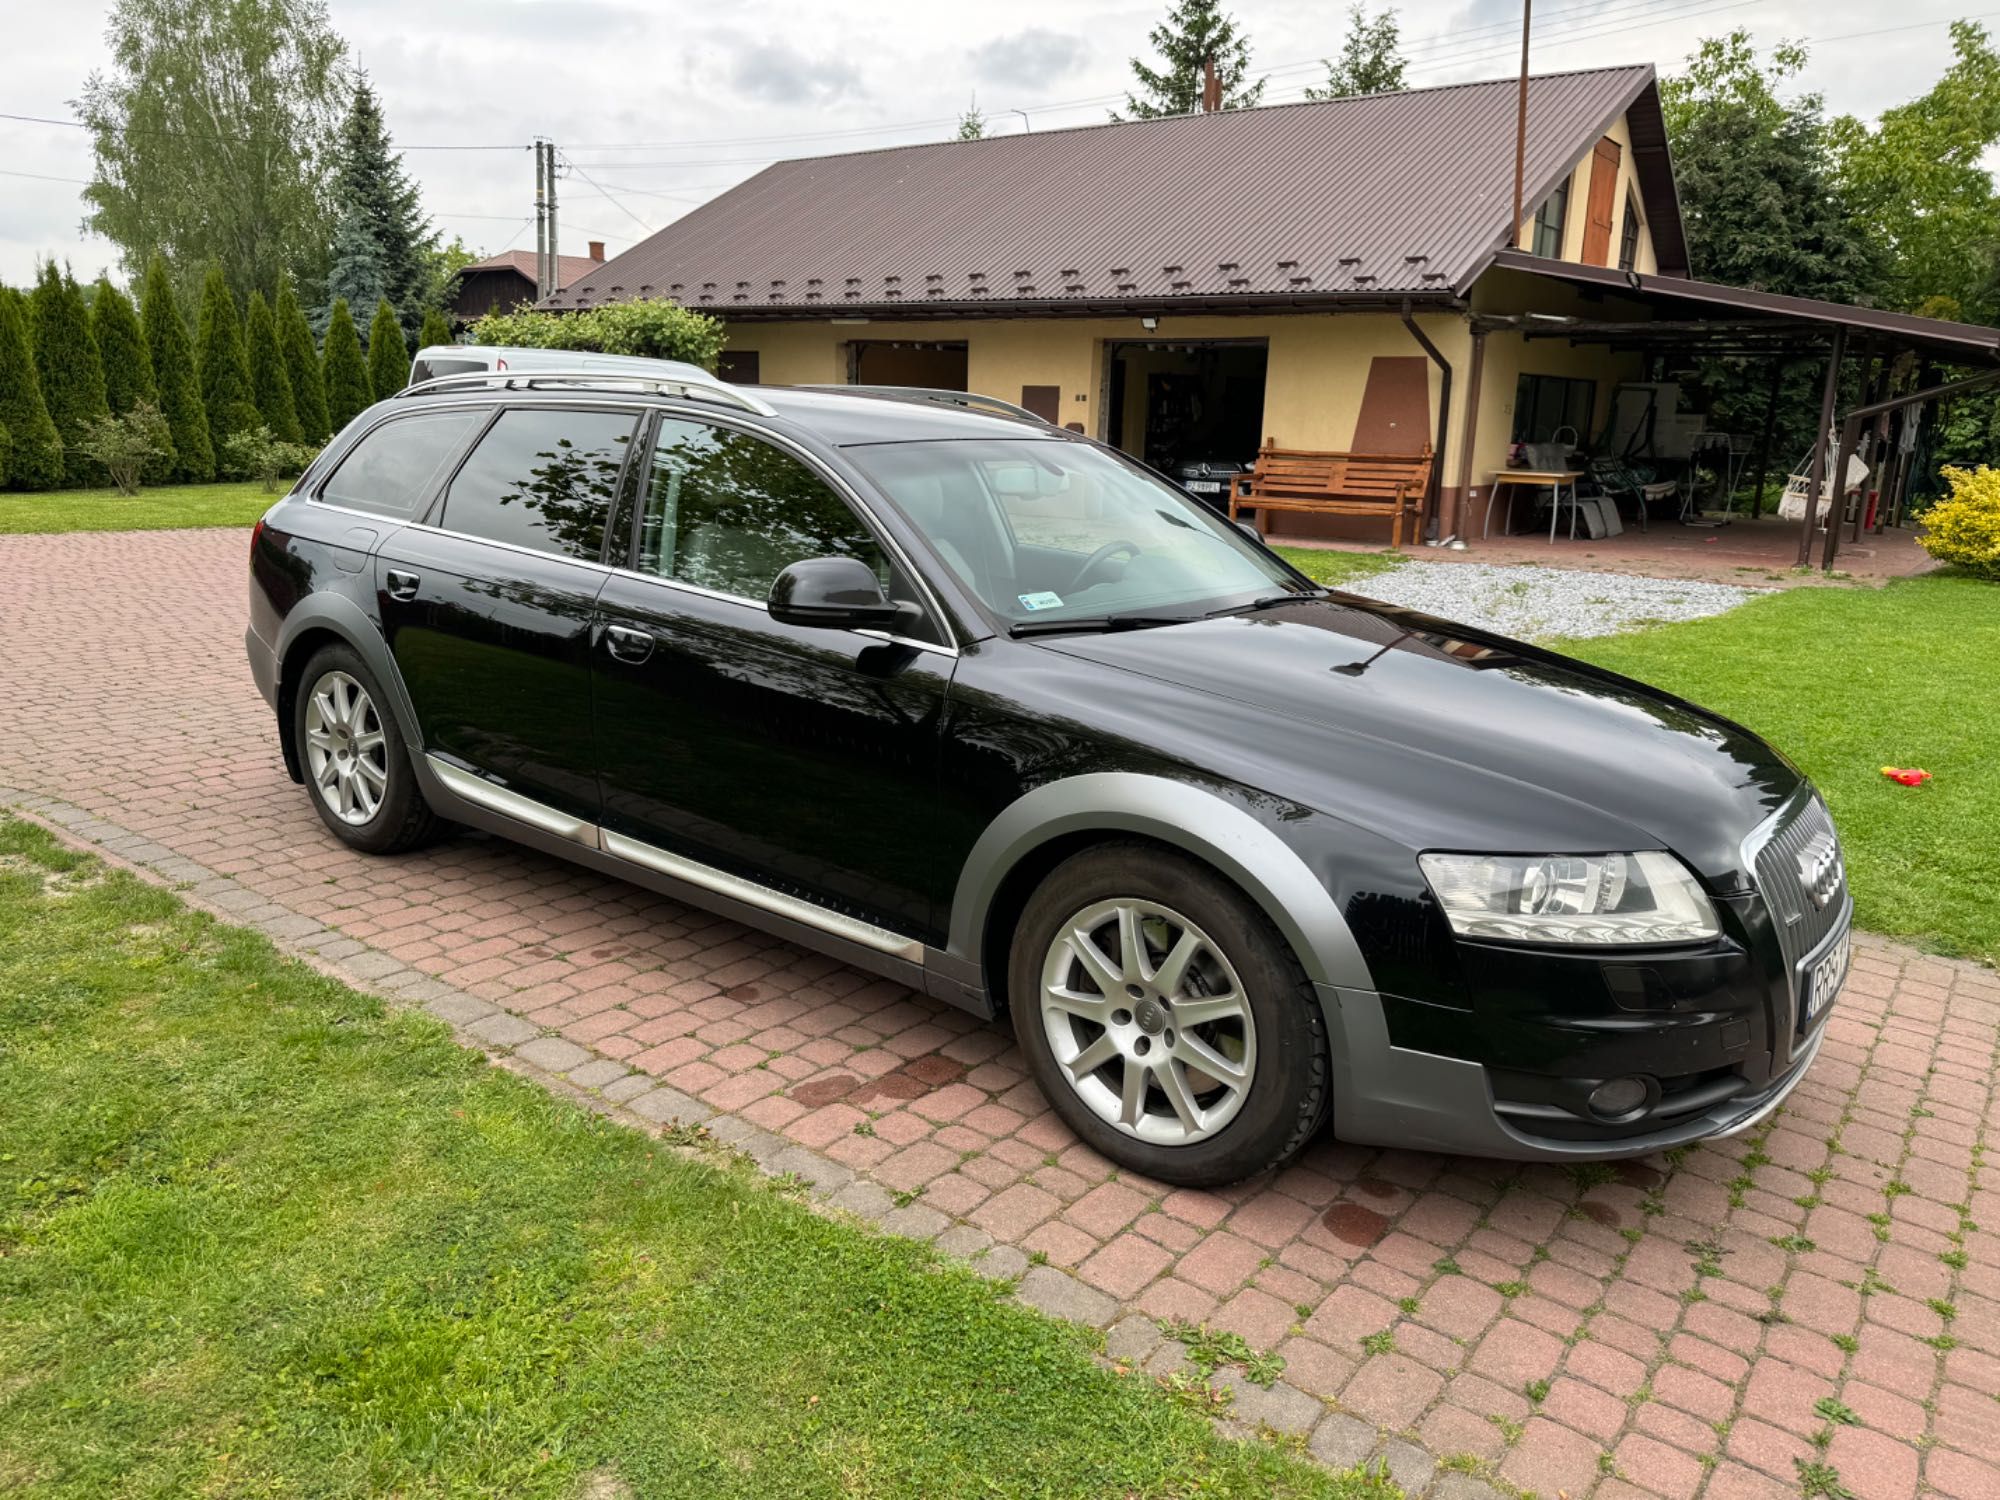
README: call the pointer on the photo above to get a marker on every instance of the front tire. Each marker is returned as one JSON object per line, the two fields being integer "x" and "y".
{"x": 1165, "y": 1018}
{"x": 356, "y": 761}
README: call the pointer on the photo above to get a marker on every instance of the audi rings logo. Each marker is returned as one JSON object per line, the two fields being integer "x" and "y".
{"x": 1819, "y": 869}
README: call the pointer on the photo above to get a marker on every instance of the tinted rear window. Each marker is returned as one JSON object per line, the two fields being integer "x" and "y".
{"x": 543, "y": 480}
{"x": 392, "y": 469}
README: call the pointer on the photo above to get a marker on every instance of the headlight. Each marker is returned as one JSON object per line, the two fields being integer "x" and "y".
{"x": 1571, "y": 898}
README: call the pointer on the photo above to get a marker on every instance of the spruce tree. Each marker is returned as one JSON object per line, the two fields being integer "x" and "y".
{"x": 121, "y": 349}
{"x": 437, "y": 330}
{"x": 1193, "y": 31}
{"x": 224, "y": 366}
{"x": 67, "y": 365}
{"x": 270, "y": 386}
{"x": 356, "y": 272}
{"x": 34, "y": 448}
{"x": 302, "y": 365}
{"x": 388, "y": 355}
{"x": 377, "y": 199}
{"x": 174, "y": 372}
{"x": 347, "y": 390}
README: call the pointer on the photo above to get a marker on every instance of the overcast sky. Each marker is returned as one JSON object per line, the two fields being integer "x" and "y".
{"x": 661, "y": 104}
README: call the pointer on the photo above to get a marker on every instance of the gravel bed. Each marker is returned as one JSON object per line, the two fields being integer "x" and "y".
{"x": 1534, "y": 603}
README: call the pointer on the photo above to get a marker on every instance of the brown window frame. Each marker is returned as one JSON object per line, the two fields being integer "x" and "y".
{"x": 1558, "y": 200}
{"x": 1628, "y": 235}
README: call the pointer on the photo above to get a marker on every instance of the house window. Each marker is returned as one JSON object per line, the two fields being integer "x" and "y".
{"x": 1544, "y": 403}
{"x": 1550, "y": 219}
{"x": 1628, "y": 236}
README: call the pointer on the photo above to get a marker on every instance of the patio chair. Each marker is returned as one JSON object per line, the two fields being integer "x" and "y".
{"x": 1620, "y": 480}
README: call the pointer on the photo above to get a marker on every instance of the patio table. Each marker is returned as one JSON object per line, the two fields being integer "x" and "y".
{"x": 1551, "y": 480}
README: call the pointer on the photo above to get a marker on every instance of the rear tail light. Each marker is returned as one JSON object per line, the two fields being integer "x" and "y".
{"x": 256, "y": 536}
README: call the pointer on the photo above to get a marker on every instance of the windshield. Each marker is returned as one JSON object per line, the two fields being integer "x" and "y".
{"x": 1045, "y": 531}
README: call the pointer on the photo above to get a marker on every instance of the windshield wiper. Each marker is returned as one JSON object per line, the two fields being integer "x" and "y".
{"x": 1270, "y": 601}
{"x": 1095, "y": 623}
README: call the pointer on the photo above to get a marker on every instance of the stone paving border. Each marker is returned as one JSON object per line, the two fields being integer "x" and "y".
{"x": 609, "y": 1088}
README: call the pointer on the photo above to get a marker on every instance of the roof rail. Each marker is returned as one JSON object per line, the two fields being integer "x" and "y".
{"x": 926, "y": 396}
{"x": 663, "y": 385}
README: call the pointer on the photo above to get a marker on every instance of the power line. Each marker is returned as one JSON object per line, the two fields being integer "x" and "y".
{"x": 219, "y": 135}
{"x": 622, "y": 208}
{"x": 44, "y": 177}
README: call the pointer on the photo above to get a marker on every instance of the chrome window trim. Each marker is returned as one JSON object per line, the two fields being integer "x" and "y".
{"x": 317, "y": 490}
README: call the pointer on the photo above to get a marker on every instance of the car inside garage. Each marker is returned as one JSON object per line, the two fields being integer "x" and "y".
{"x": 1190, "y": 408}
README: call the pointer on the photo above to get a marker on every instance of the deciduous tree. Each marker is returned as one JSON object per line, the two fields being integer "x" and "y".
{"x": 1193, "y": 32}
{"x": 388, "y": 355}
{"x": 121, "y": 349}
{"x": 34, "y": 449}
{"x": 347, "y": 390}
{"x": 302, "y": 366}
{"x": 1370, "y": 61}
{"x": 175, "y": 373}
{"x": 270, "y": 384}
{"x": 222, "y": 363}
{"x": 66, "y": 363}
{"x": 214, "y": 131}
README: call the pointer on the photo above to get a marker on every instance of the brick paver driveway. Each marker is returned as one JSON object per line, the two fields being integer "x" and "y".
{"x": 1749, "y": 1320}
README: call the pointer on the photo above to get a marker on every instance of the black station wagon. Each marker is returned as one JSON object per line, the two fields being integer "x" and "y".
{"x": 990, "y": 709}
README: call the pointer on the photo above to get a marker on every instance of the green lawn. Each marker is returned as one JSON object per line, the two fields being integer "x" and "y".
{"x": 166, "y": 508}
{"x": 1327, "y": 566}
{"x": 1846, "y": 681}
{"x": 259, "y": 1237}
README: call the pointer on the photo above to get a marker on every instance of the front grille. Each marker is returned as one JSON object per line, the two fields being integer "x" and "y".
{"x": 1801, "y": 922}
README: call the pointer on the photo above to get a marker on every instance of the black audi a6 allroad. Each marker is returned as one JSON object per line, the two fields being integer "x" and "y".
{"x": 987, "y": 708}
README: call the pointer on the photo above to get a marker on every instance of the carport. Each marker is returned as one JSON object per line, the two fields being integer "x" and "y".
{"x": 1884, "y": 363}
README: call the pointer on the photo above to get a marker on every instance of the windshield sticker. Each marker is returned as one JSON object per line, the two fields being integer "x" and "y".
{"x": 1040, "y": 601}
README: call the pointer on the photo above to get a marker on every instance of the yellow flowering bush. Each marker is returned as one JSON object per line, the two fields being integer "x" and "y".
{"x": 1964, "y": 527}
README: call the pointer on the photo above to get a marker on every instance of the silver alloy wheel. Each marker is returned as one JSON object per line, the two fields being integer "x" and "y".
{"x": 347, "y": 754}
{"x": 1148, "y": 1021}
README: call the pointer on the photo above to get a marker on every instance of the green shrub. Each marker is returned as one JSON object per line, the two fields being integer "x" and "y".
{"x": 4, "y": 443}
{"x": 1964, "y": 527}
{"x": 388, "y": 355}
{"x": 258, "y": 453}
{"x": 653, "y": 327}
{"x": 223, "y": 363}
{"x": 302, "y": 365}
{"x": 67, "y": 365}
{"x": 347, "y": 390}
{"x": 126, "y": 444}
{"x": 121, "y": 349}
{"x": 34, "y": 450}
{"x": 437, "y": 330}
{"x": 270, "y": 385}
{"x": 175, "y": 374}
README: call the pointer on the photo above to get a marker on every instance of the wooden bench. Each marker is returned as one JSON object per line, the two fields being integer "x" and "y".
{"x": 1335, "y": 484}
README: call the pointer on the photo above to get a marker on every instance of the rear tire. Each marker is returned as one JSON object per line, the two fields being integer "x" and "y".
{"x": 1165, "y": 1018}
{"x": 356, "y": 761}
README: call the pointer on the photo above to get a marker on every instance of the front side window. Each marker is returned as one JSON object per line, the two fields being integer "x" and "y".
{"x": 1550, "y": 220}
{"x": 1628, "y": 237}
{"x": 392, "y": 469}
{"x": 543, "y": 479}
{"x": 1042, "y": 529}
{"x": 729, "y": 512}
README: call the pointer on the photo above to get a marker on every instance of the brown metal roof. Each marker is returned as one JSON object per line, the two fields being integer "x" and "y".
{"x": 1375, "y": 197}
{"x": 1678, "y": 296}
{"x": 570, "y": 268}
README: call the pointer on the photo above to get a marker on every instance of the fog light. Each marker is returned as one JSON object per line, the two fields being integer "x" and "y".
{"x": 1617, "y": 1097}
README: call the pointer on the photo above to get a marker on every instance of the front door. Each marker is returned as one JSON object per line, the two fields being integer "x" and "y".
{"x": 803, "y": 759}
{"x": 488, "y": 607}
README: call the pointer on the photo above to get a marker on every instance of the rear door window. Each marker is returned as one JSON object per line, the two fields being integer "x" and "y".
{"x": 391, "y": 471}
{"x": 543, "y": 479}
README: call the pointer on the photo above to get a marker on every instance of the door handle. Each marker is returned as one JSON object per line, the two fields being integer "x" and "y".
{"x": 628, "y": 645}
{"x": 402, "y": 584}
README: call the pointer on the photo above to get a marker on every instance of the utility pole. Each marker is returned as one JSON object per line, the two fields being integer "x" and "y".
{"x": 541, "y": 226}
{"x": 555, "y": 253}
{"x": 1521, "y": 128}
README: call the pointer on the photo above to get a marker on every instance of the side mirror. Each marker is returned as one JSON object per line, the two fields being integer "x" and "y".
{"x": 834, "y": 593}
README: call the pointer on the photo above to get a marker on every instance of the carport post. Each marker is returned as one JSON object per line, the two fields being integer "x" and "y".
{"x": 1764, "y": 443}
{"x": 1816, "y": 475}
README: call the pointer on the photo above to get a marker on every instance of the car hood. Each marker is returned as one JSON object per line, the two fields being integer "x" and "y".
{"x": 1448, "y": 737}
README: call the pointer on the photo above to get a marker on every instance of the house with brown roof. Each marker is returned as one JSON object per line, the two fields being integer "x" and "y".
{"x": 1334, "y": 276}
{"x": 507, "y": 280}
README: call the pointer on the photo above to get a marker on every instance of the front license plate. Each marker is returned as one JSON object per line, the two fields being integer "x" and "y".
{"x": 1824, "y": 978}
{"x": 1205, "y": 486}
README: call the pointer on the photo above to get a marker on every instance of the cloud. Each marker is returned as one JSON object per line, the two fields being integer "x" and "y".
{"x": 1030, "y": 58}
{"x": 780, "y": 74}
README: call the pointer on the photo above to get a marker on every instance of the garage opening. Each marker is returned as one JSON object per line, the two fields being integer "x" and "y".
{"x": 1190, "y": 408}
{"x": 932, "y": 365}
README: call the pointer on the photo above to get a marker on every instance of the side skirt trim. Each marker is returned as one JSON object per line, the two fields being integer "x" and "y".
{"x": 483, "y": 793}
